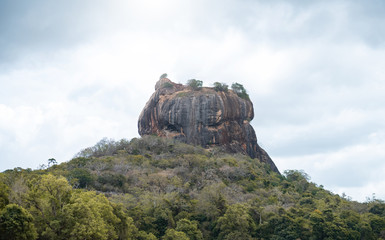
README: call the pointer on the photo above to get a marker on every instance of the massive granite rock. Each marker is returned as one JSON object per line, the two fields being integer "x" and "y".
{"x": 202, "y": 117}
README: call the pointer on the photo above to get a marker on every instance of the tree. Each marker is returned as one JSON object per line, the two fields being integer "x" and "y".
{"x": 125, "y": 228}
{"x": 221, "y": 87}
{"x": 89, "y": 216}
{"x": 46, "y": 199}
{"x": 296, "y": 175}
{"x": 162, "y": 219}
{"x": 18, "y": 190}
{"x": 377, "y": 224}
{"x": 172, "y": 234}
{"x": 284, "y": 226}
{"x": 16, "y": 223}
{"x": 326, "y": 225}
{"x": 190, "y": 228}
{"x": 4, "y": 193}
{"x": 164, "y": 75}
{"x": 240, "y": 90}
{"x": 83, "y": 177}
{"x": 212, "y": 203}
{"x": 63, "y": 213}
{"x": 195, "y": 84}
{"x": 52, "y": 162}
{"x": 51, "y": 192}
{"x": 105, "y": 147}
{"x": 236, "y": 219}
{"x": 378, "y": 207}
{"x": 142, "y": 235}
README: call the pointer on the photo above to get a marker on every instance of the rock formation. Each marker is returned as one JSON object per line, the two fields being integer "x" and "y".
{"x": 204, "y": 117}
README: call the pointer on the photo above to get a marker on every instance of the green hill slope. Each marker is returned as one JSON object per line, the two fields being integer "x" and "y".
{"x": 156, "y": 188}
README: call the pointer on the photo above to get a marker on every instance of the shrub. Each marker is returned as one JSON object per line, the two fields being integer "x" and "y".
{"x": 105, "y": 147}
{"x": 195, "y": 84}
{"x": 240, "y": 91}
{"x": 164, "y": 75}
{"x": 116, "y": 180}
{"x": 221, "y": 87}
{"x": 83, "y": 176}
{"x": 167, "y": 85}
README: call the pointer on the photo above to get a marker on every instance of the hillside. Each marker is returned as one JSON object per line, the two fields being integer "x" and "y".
{"x": 159, "y": 188}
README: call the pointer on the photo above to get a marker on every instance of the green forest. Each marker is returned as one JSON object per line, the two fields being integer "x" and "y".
{"x": 157, "y": 188}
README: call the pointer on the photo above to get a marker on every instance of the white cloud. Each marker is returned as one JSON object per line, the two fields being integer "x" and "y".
{"x": 20, "y": 124}
{"x": 354, "y": 170}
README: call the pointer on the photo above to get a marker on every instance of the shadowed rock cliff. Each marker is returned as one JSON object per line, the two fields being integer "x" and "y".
{"x": 204, "y": 117}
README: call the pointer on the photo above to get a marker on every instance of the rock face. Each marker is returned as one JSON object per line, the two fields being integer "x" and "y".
{"x": 204, "y": 117}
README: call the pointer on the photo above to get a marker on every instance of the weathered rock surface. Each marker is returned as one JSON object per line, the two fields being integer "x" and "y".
{"x": 203, "y": 117}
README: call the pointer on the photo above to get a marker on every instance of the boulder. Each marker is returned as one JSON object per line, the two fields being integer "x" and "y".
{"x": 202, "y": 117}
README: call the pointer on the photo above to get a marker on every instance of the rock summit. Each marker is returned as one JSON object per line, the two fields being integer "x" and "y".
{"x": 202, "y": 117}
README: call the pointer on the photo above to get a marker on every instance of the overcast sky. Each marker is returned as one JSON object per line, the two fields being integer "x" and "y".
{"x": 73, "y": 72}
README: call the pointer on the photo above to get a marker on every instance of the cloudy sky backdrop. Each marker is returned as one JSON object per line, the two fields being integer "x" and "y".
{"x": 73, "y": 72}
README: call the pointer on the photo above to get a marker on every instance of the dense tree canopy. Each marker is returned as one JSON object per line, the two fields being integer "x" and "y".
{"x": 16, "y": 223}
{"x": 155, "y": 188}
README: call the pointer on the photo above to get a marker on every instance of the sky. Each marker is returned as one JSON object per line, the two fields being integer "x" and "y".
{"x": 74, "y": 72}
